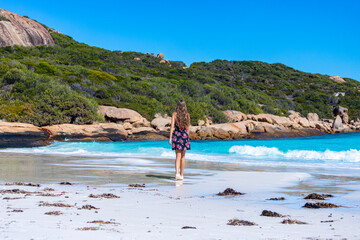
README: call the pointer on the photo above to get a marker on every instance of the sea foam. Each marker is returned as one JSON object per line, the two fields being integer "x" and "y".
{"x": 257, "y": 152}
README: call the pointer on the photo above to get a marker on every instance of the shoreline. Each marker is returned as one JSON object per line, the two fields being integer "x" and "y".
{"x": 127, "y": 125}
{"x": 164, "y": 206}
{"x": 19, "y": 135}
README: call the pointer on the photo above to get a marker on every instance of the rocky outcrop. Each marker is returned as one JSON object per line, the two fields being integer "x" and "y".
{"x": 340, "y": 124}
{"x": 160, "y": 122}
{"x": 342, "y": 112}
{"x": 93, "y": 132}
{"x": 19, "y": 30}
{"x": 248, "y": 129}
{"x": 22, "y": 135}
{"x": 337, "y": 79}
{"x": 126, "y": 124}
{"x": 235, "y": 116}
{"x": 160, "y": 55}
{"x": 123, "y": 115}
{"x": 165, "y": 61}
{"x": 147, "y": 133}
{"x": 337, "y": 125}
{"x": 313, "y": 117}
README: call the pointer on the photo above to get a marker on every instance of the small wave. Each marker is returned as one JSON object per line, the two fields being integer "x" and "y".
{"x": 351, "y": 155}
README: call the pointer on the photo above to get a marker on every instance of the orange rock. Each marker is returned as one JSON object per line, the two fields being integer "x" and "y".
{"x": 22, "y": 31}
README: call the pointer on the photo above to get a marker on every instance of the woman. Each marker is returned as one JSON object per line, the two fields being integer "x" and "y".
{"x": 180, "y": 123}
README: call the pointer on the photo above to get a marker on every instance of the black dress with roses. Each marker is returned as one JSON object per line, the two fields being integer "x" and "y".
{"x": 180, "y": 140}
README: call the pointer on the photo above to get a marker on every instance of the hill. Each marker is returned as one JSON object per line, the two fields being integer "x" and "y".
{"x": 65, "y": 83}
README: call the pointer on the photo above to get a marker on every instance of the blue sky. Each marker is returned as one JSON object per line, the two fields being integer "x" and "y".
{"x": 313, "y": 36}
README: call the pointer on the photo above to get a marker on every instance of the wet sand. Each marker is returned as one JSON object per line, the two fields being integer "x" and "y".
{"x": 164, "y": 206}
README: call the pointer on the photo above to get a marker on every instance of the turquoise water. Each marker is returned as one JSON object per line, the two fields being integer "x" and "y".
{"x": 331, "y": 151}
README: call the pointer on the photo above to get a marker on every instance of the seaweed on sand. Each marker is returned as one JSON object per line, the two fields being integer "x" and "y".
{"x": 238, "y": 222}
{"x": 229, "y": 192}
{"x": 104, "y": 195}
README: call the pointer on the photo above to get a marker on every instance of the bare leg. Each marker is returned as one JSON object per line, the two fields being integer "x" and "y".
{"x": 182, "y": 162}
{"x": 177, "y": 160}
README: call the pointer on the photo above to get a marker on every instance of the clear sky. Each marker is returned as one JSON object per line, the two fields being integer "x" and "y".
{"x": 318, "y": 36}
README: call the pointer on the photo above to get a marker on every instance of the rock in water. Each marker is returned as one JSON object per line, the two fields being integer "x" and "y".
{"x": 19, "y": 30}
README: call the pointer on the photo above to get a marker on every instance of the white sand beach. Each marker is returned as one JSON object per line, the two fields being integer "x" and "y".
{"x": 164, "y": 206}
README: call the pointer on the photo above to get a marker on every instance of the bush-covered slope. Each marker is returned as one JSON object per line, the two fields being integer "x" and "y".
{"x": 64, "y": 83}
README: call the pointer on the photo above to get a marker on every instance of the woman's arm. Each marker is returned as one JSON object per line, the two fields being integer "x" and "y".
{"x": 172, "y": 126}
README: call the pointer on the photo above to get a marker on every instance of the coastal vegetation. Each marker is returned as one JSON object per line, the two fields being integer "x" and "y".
{"x": 65, "y": 83}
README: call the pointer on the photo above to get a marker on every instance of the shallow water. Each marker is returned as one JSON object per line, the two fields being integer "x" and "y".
{"x": 260, "y": 168}
{"x": 332, "y": 160}
{"x": 339, "y": 151}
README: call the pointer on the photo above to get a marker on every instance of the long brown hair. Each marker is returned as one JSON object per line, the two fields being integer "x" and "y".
{"x": 182, "y": 115}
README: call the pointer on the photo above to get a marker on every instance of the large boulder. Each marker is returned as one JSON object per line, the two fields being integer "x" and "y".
{"x": 104, "y": 109}
{"x": 345, "y": 118}
{"x": 337, "y": 79}
{"x": 235, "y": 116}
{"x": 201, "y": 122}
{"x": 303, "y": 122}
{"x": 100, "y": 131}
{"x": 294, "y": 115}
{"x": 273, "y": 119}
{"x": 123, "y": 115}
{"x": 343, "y": 113}
{"x": 193, "y": 132}
{"x": 313, "y": 117}
{"x": 160, "y": 55}
{"x": 338, "y": 110}
{"x": 143, "y": 130}
{"x": 148, "y": 133}
{"x": 19, "y": 30}
{"x": 127, "y": 126}
{"x": 228, "y": 130}
{"x": 160, "y": 122}
{"x": 323, "y": 127}
{"x": 269, "y": 118}
{"x": 205, "y": 132}
{"x": 165, "y": 61}
{"x": 337, "y": 125}
{"x": 284, "y": 121}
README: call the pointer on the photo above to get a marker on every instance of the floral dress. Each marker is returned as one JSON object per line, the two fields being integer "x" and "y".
{"x": 180, "y": 140}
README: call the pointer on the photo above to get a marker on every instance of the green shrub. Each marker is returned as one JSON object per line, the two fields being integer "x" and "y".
{"x": 114, "y": 78}
{"x": 13, "y": 76}
{"x": 45, "y": 68}
{"x": 100, "y": 76}
{"x": 3, "y": 69}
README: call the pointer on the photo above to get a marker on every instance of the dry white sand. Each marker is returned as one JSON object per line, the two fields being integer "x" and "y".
{"x": 160, "y": 212}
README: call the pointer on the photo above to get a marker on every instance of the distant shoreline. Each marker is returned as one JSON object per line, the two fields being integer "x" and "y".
{"x": 18, "y": 135}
